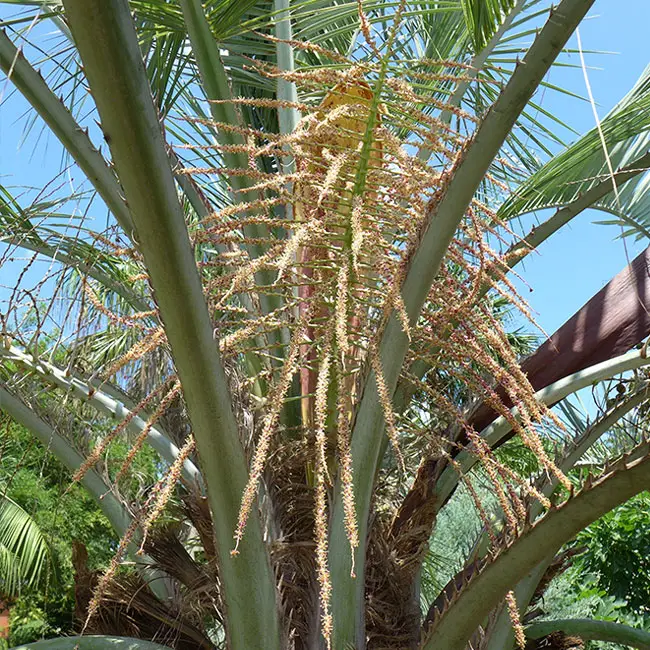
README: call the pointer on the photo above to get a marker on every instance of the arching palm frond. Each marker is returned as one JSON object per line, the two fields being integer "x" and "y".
{"x": 584, "y": 165}
{"x": 62, "y": 238}
{"x": 25, "y": 554}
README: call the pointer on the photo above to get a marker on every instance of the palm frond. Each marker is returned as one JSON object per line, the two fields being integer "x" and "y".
{"x": 583, "y": 165}
{"x": 483, "y": 18}
{"x": 43, "y": 229}
{"x": 59, "y": 118}
{"x": 25, "y": 554}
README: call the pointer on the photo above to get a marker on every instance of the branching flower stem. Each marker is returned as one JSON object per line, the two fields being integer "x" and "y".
{"x": 444, "y": 219}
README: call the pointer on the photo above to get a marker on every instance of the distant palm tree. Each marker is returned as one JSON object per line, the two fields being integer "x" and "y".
{"x": 300, "y": 268}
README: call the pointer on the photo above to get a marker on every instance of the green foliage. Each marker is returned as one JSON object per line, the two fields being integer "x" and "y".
{"x": 31, "y": 619}
{"x": 456, "y": 535}
{"x": 618, "y": 553}
{"x": 37, "y": 482}
{"x": 583, "y": 166}
{"x": 24, "y": 552}
{"x": 575, "y": 594}
{"x": 483, "y": 18}
{"x": 610, "y": 580}
{"x": 520, "y": 458}
{"x": 40, "y": 484}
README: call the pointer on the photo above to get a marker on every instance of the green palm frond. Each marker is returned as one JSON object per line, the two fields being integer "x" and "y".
{"x": 445, "y": 29}
{"x": 573, "y": 415}
{"x": 226, "y": 15}
{"x": 25, "y": 554}
{"x": 166, "y": 64}
{"x": 583, "y": 165}
{"x": 42, "y": 228}
{"x": 483, "y": 18}
{"x": 64, "y": 125}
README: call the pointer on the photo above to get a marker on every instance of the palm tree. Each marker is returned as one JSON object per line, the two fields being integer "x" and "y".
{"x": 298, "y": 267}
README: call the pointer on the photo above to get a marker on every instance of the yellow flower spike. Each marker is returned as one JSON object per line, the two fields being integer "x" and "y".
{"x": 337, "y": 129}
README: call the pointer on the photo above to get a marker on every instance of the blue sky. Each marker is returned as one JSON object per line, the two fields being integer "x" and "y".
{"x": 579, "y": 260}
{"x": 572, "y": 265}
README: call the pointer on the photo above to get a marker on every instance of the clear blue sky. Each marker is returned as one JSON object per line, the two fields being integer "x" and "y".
{"x": 571, "y": 266}
{"x": 579, "y": 260}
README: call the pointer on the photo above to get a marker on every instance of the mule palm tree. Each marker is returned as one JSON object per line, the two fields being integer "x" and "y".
{"x": 298, "y": 267}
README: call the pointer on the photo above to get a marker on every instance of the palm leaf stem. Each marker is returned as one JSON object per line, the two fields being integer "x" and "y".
{"x": 75, "y": 140}
{"x": 501, "y": 634}
{"x": 578, "y": 447}
{"x": 562, "y": 216}
{"x": 216, "y": 85}
{"x": 107, "y": 42}
{"x": 99, "y": 398}
{"x": 288, "y": 117}
{"x": 497, "y": 430}
{"x": 459, "y": 621}
{"x": 476, "y": 66}
{"x": 592, "y": 630}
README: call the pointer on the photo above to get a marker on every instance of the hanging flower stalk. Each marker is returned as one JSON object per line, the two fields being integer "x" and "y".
{"x": 360, "y": 198}
{"x": 338, "y": 126}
